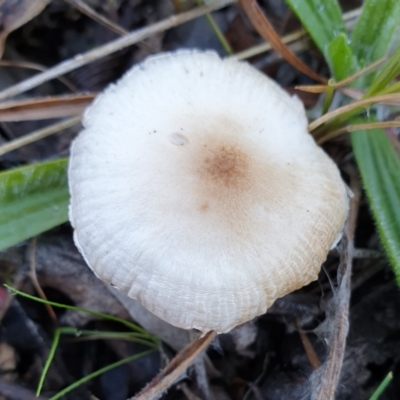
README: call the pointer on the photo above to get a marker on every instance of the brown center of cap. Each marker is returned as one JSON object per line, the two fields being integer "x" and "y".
{"x": 224, "y": 165}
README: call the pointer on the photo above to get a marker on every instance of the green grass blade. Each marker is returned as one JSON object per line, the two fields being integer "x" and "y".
{"x": 374, "y": 29}
{"x": 77, "y": 332}
{"x": 50, "y": 357}
{"x": 395, "y": 88}
{"x": 130, "y": 325}
{"x": 341, "y": 58}
{"x": 322, "y": 19}
{"x": 99, "y": 372}
{"x": 33, "y": 199}
{"x": 380, "y": 169}
{"x": 387, "y": 75}
{"x": 381, "y": 388}
{"x": 376, "y": 159}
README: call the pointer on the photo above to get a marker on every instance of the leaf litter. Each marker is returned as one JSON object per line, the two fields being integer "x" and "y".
{"x": 271, "y": 357}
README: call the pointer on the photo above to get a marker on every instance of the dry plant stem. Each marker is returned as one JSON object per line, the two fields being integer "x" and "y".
{"x": 177, "y": 366}
{"x": 39, "y": 134}
{"x": 263, "y": 47}
{"x": 311, "y": 354}
{"x": 357, "y": 94}
{"x": 350, "y": 107}
{"x": 253, "y": 386}
{"x": 49, "y": 107}
{"x": 358, "y": 127}
{"x": 256, "y": 391}
{"x": 34, "y": 279}
{"x": 299, "y": 36}
{"x": 107, "y": 49}
{"x": 85, "y": 9}
{"x": 363, "y": 71}
{"x": 329, "y": 373}
{"x": 187, "y": 392}
{"x": 344, "y": 82}
{"x": 36, "y": 67}
{"x": 268, "y": 33}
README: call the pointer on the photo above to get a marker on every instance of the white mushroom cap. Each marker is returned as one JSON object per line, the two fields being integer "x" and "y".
{"x": 197, "y": 189}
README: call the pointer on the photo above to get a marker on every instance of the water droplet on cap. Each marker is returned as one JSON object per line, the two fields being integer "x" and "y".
{"x": 178, "y": 139}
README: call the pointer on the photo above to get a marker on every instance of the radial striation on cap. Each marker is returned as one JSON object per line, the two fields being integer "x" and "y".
{"x": 196, "y": 189}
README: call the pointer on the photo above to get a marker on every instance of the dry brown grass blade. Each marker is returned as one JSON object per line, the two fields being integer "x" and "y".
{"x": 263, "y": 47}
{"x": 14, "y": 14}
{"x": 384, "y": 98}
{"x": 344, "y": 82}
{"x": 85, "y": 9}
{"x": 267, "y": 32}
{"x": 107, "y": 49}
{"x": 358, "y": 127}
{"x": 45, "y": 107}
{"x": 362, "y": 72}
{"x": 309, "y": 349}
{"x": 353, "y": 93}
{"x": 178, "y": 365}
{"x": 328, "y": 374}
{"x": 350, "y": 18}
{"x": 39, "y": 134}
{"x": 311, "y": 88}
{"x": 358, "y": 94}
{"x": 102, "y": 20}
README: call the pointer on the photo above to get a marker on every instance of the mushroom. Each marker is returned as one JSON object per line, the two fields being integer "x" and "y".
{"x": 197, "y": 189}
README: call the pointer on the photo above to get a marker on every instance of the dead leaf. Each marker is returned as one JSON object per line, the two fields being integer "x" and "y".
{"x": 15, "y": 13}
{"x": 8, "y": 358}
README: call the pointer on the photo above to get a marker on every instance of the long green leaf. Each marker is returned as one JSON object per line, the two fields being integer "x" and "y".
{"x": 377, "y": 161}
{"x": 374, "y": 29}
{"x": 387, "y": 75}
{"x": 380, "y": 170}
{"x": 341, "y": 58}
{"x": 322, "y": 19}
{"x": 33, "y": 199}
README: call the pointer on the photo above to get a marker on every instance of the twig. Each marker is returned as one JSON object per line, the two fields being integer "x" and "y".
{"x": 39, "y": 134}
{"x": 34, "y": 279}
{"x": 175, "y": 368}
{"x": 107, "y": 49}
{"x": 328, "y": 375}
